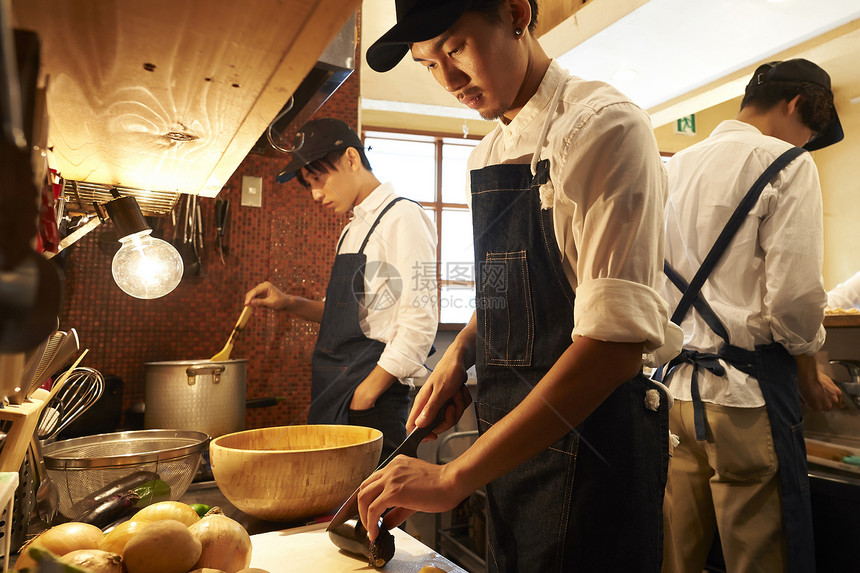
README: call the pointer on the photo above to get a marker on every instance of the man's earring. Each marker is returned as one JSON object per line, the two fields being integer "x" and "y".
{"x": 518, "y": 32}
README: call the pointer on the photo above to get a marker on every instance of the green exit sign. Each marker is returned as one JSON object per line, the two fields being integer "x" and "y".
{"x": 686, "y": 125}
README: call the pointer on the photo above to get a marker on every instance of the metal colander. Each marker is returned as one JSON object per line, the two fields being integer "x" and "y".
{"x": 81, "y": 466}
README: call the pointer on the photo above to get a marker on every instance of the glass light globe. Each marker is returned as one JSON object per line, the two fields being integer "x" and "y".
{"x": 146, "y": 267}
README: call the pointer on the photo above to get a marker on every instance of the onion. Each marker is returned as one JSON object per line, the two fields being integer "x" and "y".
{"x": 62, "y": 539}
{"x": 117, "y": 537}
{"x": 181, "y": 512}
{"x": 94, "y": 560}
{"x": 226, "y": 544}
{"x": 165, "y": 546}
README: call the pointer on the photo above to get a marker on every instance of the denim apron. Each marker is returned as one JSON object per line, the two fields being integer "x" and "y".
{"x": 592, "y": 501}
{"x": 776, "y": 372}
{"x": 344, "y": 356}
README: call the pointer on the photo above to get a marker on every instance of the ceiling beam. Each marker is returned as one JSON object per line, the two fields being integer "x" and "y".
{"x": 585, "y": 21}
{"x": 553, "y": 12}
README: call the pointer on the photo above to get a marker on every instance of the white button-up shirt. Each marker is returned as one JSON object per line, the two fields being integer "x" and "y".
{"x": 845, "y": 295}
{"x": 768, "y": 285}
{"x": 609, "y": 192}
{"x": 400, "y": 304}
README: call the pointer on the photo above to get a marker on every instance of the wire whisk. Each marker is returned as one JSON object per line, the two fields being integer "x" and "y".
{"x": 82, "y": 389}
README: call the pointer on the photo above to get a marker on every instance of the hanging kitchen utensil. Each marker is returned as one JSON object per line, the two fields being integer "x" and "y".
{"x": 186, "y": 245}
{"x": 222, "y": 213}
{"x": 224, "y": 354}
{"x": 198, "y": 236}
{"x": 192, "y": 265}
{"x": 177, "y": 222}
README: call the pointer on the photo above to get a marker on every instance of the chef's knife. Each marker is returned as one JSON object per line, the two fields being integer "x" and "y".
{"x": 409, "y": 447}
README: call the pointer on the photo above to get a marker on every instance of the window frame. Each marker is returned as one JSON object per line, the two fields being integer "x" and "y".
{"x": 437, "y": 206}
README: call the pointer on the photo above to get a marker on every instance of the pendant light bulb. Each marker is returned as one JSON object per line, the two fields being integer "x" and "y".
{"x": 144, "y": 267}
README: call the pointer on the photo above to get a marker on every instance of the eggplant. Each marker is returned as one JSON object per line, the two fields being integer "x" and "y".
{"x": 110, "y": 509}
{"x": 122, "y": 485}
{"x": 352, "y": 537}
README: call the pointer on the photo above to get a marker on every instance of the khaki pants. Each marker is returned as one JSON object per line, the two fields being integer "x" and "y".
{"x": 728, "y": 482}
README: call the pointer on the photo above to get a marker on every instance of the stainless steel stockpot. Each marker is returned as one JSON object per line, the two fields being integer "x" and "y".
{"x": 199, "y": 395}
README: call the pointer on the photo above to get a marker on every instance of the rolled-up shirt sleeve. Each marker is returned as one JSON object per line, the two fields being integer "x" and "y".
{"x": 614, "y": 187}
{"x": 792, "y": 240}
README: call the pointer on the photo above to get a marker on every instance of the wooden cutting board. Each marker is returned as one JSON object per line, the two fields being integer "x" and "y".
{"x": 309, "y": 550}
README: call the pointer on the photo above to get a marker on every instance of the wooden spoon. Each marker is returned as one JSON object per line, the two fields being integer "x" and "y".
{"x": 224, "y": 354}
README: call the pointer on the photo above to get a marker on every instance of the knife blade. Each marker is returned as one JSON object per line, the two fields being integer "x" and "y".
{"x": 408, "y": 447}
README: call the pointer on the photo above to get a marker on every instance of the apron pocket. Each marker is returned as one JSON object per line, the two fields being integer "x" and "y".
{"x": 746, "y": 446}
{"x": 506, "y": 302}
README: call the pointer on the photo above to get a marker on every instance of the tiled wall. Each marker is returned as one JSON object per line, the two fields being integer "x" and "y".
{"x": 290, "y": 240}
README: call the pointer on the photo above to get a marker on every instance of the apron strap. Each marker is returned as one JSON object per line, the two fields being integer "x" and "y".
{"x": 373, "y": 226}
{"x": 729, "y": 231}
{"x": 699, "y": 303}
{"x": 379, "y": 217}
{"x": 709, "y": 362}
{"x": 737, "y": 357}
{"x": 553, "y": 102}
{"x": 340, "y": 242}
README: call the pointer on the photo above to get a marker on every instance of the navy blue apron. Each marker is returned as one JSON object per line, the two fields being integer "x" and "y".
{"x": 344, "y": 356}
{"x": 776, "y": 372}
{"x": 592, "y": 501}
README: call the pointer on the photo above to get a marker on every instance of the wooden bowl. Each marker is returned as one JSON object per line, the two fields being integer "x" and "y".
{"x": 287, "y": 473}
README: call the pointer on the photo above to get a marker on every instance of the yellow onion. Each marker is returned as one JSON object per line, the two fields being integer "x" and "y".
{"x": 226, "y": 544}
{"x": 165, "y": 546}
{"x": 181, "y": 512}
{"x": 115, "y": 539}
{"x": 62, "y": 539}
{"x": 94, "y": 560}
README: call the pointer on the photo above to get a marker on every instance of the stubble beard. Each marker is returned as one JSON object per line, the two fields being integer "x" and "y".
{"x": 494, "y": 113}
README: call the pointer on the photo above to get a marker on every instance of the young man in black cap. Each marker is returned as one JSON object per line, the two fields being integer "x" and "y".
{"x": 740, "y": 466}
{"x": 567, "y": 197}
{"x": 378, "y": 320}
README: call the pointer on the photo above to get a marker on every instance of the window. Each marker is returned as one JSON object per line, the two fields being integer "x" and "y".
{"x": 432, "y": 170}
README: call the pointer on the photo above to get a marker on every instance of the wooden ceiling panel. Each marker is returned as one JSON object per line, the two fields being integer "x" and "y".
{"x": 171, "y": 95}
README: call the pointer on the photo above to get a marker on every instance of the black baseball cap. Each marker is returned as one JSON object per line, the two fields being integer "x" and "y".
{"x": 417, "y": 21}
{"x": 800, "y": 70}
{"x": 316, "y": 139}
